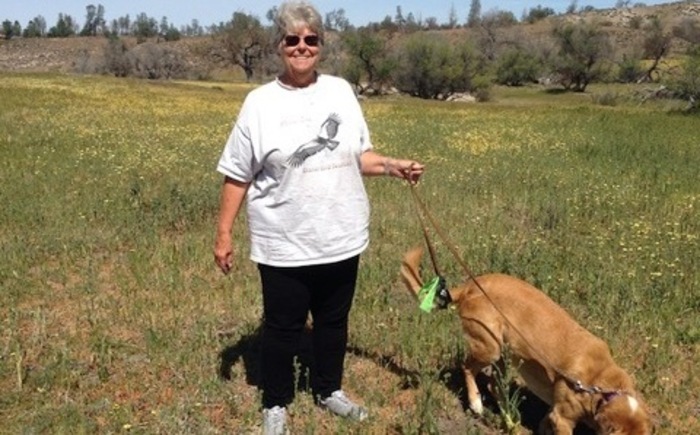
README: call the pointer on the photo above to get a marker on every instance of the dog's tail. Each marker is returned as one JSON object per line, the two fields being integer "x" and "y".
{"x": 410, "y": 270}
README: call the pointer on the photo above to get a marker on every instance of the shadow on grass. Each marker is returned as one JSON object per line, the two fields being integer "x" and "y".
{"x": 532, "y": 409}
{"x": 247, "y": 350}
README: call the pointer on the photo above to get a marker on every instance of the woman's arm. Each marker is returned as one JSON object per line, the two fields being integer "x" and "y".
{"x": 232, "y": 194}
{"x": 373, "y": 163}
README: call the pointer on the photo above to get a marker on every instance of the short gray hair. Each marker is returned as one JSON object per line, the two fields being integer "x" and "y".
{"x": 293, "y": 15}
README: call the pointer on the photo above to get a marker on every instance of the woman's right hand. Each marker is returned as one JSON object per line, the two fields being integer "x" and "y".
{"x": 232, "y": 194}
{"x": 223, "y": 252}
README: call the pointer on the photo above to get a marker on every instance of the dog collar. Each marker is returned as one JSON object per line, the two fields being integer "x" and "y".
{"x": 606, "y": 398}
{"x": 434, "y": 294}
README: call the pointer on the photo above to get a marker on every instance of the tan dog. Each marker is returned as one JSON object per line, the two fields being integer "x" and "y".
{"x": 559, "y": 361}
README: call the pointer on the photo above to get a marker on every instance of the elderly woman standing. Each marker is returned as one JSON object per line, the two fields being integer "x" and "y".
{"x": 297, "y": 154}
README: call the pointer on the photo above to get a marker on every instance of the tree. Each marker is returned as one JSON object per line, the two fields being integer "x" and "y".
{"x": 474, "y": 16}
{"x": 399, "y": 20}
{"x": 336, "y": 20}
{"x": 582, "y": 49}
{"x": 431, "y": 23}
{"x": 65, "y": 27}
{"x": 242, "y": 42}
{"x": 488, "y": 31}
{"x": 656, "y": 45}
{"x": 497, "y": 18}
{"x": 573, "y": 6}
{"x": 7, "y": 29}
{"x": 411, "y": 24}
{"x": 168, "y": 31}
{"x": 121, "y": 26}
{"x": 144, "y": 27}
{"x": 369, "y": 65}
{"x": 11, "y": 29}
{"x": 36, "y": 28}
{"x": 538, "y": 13}
{"x": 452, "y": 19}
{"x": 194, "y": 29}
{"x": 94, "y": 21}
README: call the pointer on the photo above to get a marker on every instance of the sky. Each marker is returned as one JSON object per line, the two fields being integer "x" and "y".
{"x": 208, "y": 12}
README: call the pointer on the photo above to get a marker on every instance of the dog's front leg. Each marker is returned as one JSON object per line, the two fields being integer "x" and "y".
{"x": 473, "y": 394}
{"x": 472, "y": 368}
{"x": 484, "y": 350}
{"x": 555, "y": 424}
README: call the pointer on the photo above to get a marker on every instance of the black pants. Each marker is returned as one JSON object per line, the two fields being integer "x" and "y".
{"x": 289, "y": 294}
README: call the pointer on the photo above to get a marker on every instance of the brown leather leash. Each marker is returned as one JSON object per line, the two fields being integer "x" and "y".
{"x": 423, "y": 214}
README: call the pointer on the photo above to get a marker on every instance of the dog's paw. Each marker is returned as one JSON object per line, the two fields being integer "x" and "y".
{"x": 476, "y": 406}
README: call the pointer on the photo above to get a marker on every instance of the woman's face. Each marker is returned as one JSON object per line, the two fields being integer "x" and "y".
{"x": 300, "y": 53}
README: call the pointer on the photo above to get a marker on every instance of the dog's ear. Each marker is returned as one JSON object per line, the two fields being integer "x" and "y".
{"x": 410, "y": 269}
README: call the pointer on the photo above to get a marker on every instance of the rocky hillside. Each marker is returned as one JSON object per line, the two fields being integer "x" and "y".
{"x": 79, "y": 54}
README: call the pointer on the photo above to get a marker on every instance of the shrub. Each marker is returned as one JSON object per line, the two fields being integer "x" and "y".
{"x": 605, "y": 99}
{"x": 630, "y": 69}
{"x": 687, "y": 84}
{"x": 156, "y": 61}
{"x": 116, "y": 57}
{"x": 517, "y": 67}
{"x": 430, "y": 67}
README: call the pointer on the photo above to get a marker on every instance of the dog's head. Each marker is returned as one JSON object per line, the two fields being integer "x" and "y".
{"x": 622, "y": 414}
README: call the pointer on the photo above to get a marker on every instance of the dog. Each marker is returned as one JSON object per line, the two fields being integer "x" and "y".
{"x": 558, "y": 360}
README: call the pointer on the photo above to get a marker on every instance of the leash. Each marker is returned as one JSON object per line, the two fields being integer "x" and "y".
{"x": 423, "y": 214}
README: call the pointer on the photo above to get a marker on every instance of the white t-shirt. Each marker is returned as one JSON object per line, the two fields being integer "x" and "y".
{"x": 300, "y": 150}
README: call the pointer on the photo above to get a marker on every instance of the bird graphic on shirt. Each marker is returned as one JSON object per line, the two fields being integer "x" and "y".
{"x": 324, "y": 139}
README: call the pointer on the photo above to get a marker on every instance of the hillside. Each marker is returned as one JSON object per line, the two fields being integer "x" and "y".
{"x": 76, "y": 54}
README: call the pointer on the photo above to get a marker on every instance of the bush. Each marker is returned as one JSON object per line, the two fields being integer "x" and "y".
{"x": 156, "y": 61}
{"x": 630, "y": 70}
{"x": 688, "y": 29}
{"x": 148, "y": 60}
{"x": 116, "y": 56}
{"x": 517, "y": 67}
{"x": 430, "y": 67}
{"x": 687, "y": 84}
{"x": 605, "y": 99}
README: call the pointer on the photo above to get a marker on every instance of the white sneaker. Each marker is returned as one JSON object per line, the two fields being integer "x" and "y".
{"x": 339, "y": 404}
{"x": 275, "y": 421}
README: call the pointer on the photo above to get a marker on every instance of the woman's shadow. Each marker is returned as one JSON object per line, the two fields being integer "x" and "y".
{"x": 247, "y": 349}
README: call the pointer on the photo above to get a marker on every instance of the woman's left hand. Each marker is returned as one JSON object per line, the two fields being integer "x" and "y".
{"x": 410, "y": 170}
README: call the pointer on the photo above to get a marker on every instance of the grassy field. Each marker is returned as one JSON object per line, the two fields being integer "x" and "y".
{"x": 114, "y": 318}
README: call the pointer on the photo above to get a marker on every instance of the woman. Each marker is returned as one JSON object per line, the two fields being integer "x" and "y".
{"x": 297, "y": 153}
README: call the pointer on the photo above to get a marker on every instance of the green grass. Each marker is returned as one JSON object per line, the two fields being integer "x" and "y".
{"x": 113, "y": 316}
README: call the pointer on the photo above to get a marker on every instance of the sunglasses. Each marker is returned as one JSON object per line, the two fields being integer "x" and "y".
{"x": 294, "y": 40}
